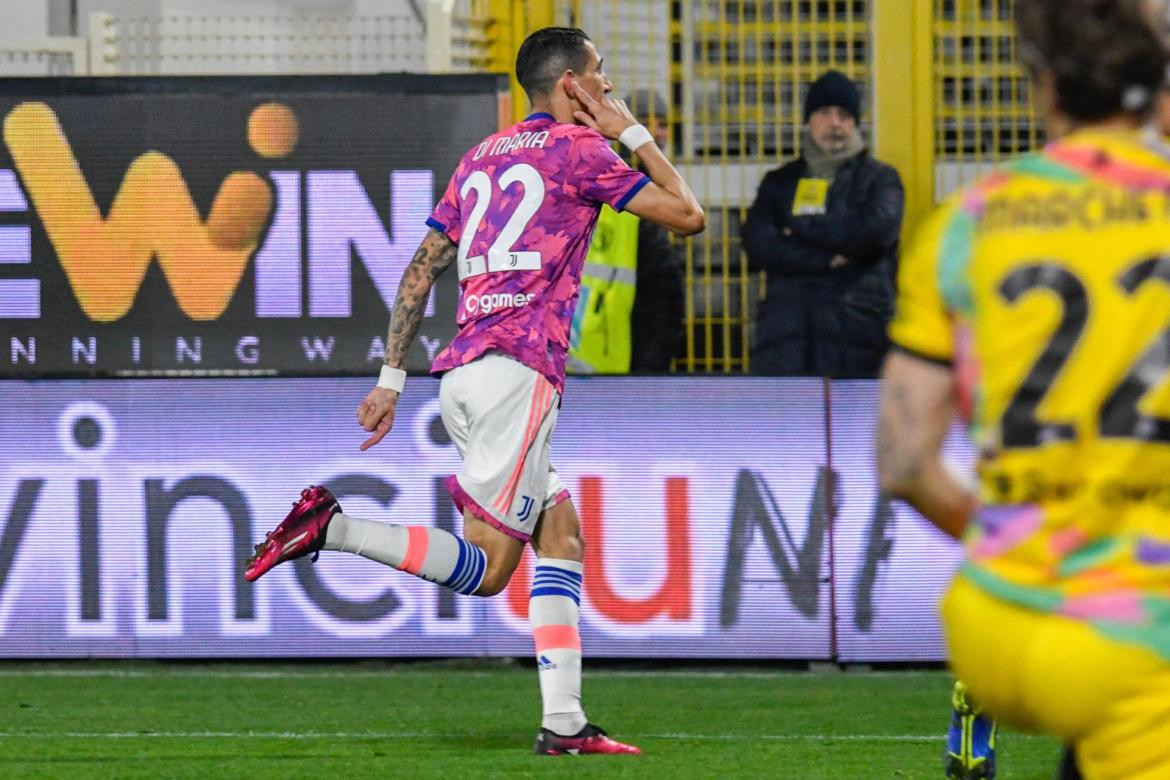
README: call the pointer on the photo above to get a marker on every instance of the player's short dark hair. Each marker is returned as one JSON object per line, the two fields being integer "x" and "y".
{"x": 547, "y": 54}
{"x": 1104, "y": 56}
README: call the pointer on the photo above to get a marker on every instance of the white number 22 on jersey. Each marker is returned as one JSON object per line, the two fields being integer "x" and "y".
{"x": 500, "y": 256}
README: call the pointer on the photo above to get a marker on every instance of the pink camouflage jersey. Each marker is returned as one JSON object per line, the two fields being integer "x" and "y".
{"x": 521, "y": 207}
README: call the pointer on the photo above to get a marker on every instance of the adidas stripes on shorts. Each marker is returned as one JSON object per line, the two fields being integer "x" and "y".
{"x": 501, "y": 414}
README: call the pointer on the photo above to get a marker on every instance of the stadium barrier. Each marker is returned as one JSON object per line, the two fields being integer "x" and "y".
{"x": 725, "y": 518}
{"x": 91, "y": 52}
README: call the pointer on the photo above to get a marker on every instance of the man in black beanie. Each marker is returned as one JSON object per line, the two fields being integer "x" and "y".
{"x": 825, "y": 229}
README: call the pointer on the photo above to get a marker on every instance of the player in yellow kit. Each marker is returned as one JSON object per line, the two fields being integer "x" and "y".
{"x": 1037, "y": 303}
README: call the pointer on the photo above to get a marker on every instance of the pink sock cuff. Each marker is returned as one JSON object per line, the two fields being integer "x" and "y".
{"x": 556, "y": 637}
{"x": 416, "y": 549}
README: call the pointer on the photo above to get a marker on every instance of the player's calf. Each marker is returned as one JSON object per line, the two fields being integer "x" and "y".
{"x": 431, "y": 554}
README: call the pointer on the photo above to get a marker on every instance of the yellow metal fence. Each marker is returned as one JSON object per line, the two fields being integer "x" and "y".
{"x": 982, "y": 112}
{"x": 943, "y": 100}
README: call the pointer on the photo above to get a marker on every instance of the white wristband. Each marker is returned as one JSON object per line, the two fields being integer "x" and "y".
{"x": 634, "y": 136}
{"x": 392, "y": 379}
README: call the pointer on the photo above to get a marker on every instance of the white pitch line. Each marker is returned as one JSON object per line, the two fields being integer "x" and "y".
{"x": 227, "y": 735}
{"x": 391, "y": 735}
{"x": 366, "y": 673}
{"x": 238, "y": 674}
{"x": 819, "y": 737}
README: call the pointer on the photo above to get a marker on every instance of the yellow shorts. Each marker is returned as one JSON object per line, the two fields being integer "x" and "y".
{"x": 1047, "y": 673}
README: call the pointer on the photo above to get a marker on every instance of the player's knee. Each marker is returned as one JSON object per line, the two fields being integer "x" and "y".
{"x": 495, "y": 579}
{"x": 574, "y": 548}
{"x": 565, "y": 548}
{"x": 497, "y": 574}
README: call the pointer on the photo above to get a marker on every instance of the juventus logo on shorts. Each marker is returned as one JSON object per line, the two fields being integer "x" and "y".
{"x": 525, "y": 510}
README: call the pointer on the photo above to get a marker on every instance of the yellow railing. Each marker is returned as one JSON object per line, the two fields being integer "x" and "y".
{"x": 943, "y": 100}
{"x": 981, "y": 109}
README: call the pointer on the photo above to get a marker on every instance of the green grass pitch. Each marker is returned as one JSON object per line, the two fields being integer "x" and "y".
{"x": 473, "y": 719}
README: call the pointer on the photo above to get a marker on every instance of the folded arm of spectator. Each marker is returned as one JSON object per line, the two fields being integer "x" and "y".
{"x": 771, "y": 247}
{"x": 858, "y": 233}
{"x": 796, "y": 256}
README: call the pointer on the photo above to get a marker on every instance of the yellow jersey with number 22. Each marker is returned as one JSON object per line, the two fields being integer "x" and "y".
{"x": 1047, "y": 286}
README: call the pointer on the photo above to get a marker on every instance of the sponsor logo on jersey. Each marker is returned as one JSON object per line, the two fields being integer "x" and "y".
{"x": 487, "y": 303}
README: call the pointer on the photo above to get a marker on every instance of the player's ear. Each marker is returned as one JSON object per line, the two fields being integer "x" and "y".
{"x": 566, "y": 83}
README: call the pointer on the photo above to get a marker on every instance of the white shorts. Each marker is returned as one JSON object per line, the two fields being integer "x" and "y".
{"x": 501, "y": 415}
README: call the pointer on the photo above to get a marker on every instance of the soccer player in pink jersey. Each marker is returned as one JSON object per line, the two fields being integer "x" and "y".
{"x": 515, "y": 221}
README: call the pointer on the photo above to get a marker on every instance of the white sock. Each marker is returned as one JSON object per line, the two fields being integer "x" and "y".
{"x": 554, "y": 613}
{"x": 429, "y": 553}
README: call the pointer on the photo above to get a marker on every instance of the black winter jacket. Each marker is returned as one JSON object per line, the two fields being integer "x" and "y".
{"x": 818, "y": 320}
{"x": 656, "y": 323}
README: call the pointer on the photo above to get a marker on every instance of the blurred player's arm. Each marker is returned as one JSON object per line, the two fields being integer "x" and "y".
{"x": 435, "y": 255}
{"x": 917, "y": 408}
{"x": 667, "y": 199}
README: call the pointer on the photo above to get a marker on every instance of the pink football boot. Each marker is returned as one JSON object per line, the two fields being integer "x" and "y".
{"x": 301, "y": 533}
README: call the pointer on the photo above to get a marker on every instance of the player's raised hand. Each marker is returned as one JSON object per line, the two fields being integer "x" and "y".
{"x": 376, "y": 413}
{"x": 608, "y": 116}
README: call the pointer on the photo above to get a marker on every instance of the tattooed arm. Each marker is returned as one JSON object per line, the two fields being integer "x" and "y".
{"x": 917, "y": 407}
{"x": 435, "y": 255}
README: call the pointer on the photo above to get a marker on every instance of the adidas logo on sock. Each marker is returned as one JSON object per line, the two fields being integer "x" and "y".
{"x": 545, "y": 664}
